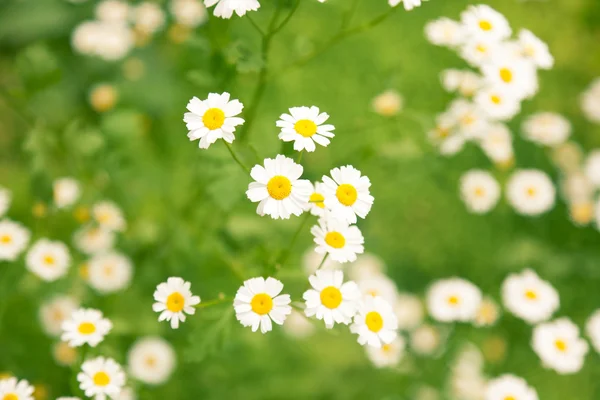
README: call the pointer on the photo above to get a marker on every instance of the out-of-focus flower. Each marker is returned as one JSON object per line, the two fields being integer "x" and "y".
{"x": 148, "y": 17}
{"x": 498, "y": 103}
{"x": 66, "y": 192}
{"x": 151, "y": 360}
{"x": 529, "y": 297}
{"x": 311, "y": 261}
{"x": 48, "y": 259}
{"x": 592, "y": 167}
{"x": 85, "y": 326}
{"x": 515, "y": 76}
{"x": 64, "y": 354}
{"x": 592, "y": 329}
{"x": 108, "y": 40}
{"x": 110, "y": 272}
{"x": 590, "y": 101}
{"x": 174, "y": 299}
{"x": 13, "y": 389}
{"x": 409, "y": 310}
{"x": 470, "y": 120}
{"x": 305, "y": 126}
{"x": 338, "y": 239}
{"x": 226, "y": 8}
{"x": 54, "y": 312}
{"x": 559, "y": 346}
{"x": 388, "y": 355}
{"x": 103, "y": 97}
{"x": 488, "y": 312}
{"x": 379, "y": 286}
{"x": 497, "y": 143}
{"x": 388, "y": 103}
{"x": 535, "y": 50}
{"x": 453, "y": 299}
{"x": 113, "y": 11}
{"x": 408, "y": 4}
{"x": 426, "y": 340}
{"x": 581, "y": 212}
{"x": 375, "y": 323}
{"x": 485, "y": 22}
{"x": 109, "y": 216}
{"x": 530, "y": 192}
{"x": 101, "y": 377}
{"x": 347, "y": 195}
{"x": 5, "y": 197}
{"x": 480, "y": 191}
{"x": 548, "y": 129}
{"x": 568, "y": 156}
{"x": 259, "y": 301}
{"x": 92, "y": 239}
{"x": 465, "y": 82}
{"x": 13, "y": 239}
{"x": 190, "y": 13}
{"x": 509, "y": 387}
{"x": 444, "y": 32}
{"x": 366, "y": 266}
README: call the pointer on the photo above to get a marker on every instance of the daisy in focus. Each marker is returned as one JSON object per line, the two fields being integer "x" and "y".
{"x": 529, "y": 297}
{"x": 330, "y": 299}
{"x": 66, "y": 192}
{"x": 259, "y": 301}
{"x": 278, "y": 189}
{"x": 530, "y": 192}
{"x": 388, "y": 355}
{"x": 54, "y": 312}
{"x": 101, "y": 378}
{"x": 174, "y": 300}
{"x": 375, "y": 323}
{"x": 13, "y": 239}
{"x": 109, "y": 272}
{"x": 347, "y": 193}
{"x": 151, "y": 360}
{"x": 13, "y": 389}
{"x": 559, "y": 346}
{"x": 48, "y": 259}
{"x": 85, "y": 326}
{"x": 342, "y": 242}
{"x": 453, "y": 299}
{"x": 316, "y": 201}
{"x": 109, "y": 216}
{"x": 226, "y": 8}
{"x": 547, "y": 129}
{"x": 480, "y": 191}
{"x": 509, "y": 387}
{"x": 305, "y": 126}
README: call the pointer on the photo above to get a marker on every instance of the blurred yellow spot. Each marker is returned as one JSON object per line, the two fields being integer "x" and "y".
{"x": 561, "y": 345}
{"x": 506, "y": 75}
{"x": 175, "y": 302}
{"x": 531, "y": 295}
{"x": 84, "y": 272}
{"x": 346, "y": 194}
{"x": 179, "y": 33}
{"x": 531, "y": 192}
{"x": 335, "y": 240}
{"x": 386, "y": 348}
{"x": 485, "y": 25}
{"x": 101, "y": 378}
{"x": 151, "y": 361}
{"x": 103, "y": 98}
{"x": 373, "y": 292}
{"x": 86, "y": 328}
{"x": 481, "y": 48}
{"x": 10, "y": 396}
{"x": 510, "y": 398}
{"x": 496, "y": 99}
{"x": 39, "y": 210}
{"x": 317, "y": 199}
{"x": 40, "y": 392}
{"x": 262, "y": 304}
{"x": 305, "y": 127}
{"x": 49, "y": 260}
{"x": 213, "y": 118}
{"x": 64, "y": 354}
{"x": 479, "y": 191}
{"x": 468, "y": 119}
{"x": 453, "y": 300}
{"x": 109, "y": 270}
{"x": 583, "y": 213}
{"x": 81, "y": 214}
{"x": 279, "y": 187}
{"x": 331, "y": 297}
{"x": 6, "y": 239}
{"x": 374, "y": 321}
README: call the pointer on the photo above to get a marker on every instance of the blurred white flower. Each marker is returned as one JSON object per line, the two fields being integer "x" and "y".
{"x": 109, "y": 216}
{"x": 258, "y": 301}
{"x": 66, "y": 192}
{"x": 55, "y": 311}
{"x": 126, "y": 394}
{"x": 530, "y": 192}
{"x": 375, "y": 323}
{"x": 148, "y": 17}
{"x": 576, "y": 187}
{"x": 479, "y": 190}
{"x": 592, "y": 167}
{"x": 13, "y": 389}
{"x": 305, "y": 126}
{"x": 515, "y": 76}
{"x": 485, "y": 22}
{"x": 101, "y": 378}
{"x": 426, "y": 340}
{"x": 5, "y": 198}
{"x": 590, "y": 101}
{"x": 92, "y": 239}
{"x": 64, "y": 354}
{"x": 546, "y": 128}
{"x": 535, "y": 50}
{"x": 559, "y": 346}
{"x": 498, "y": 103}
{"x": 191, "y": 13}
{"x": 469, "y": 119}
{"x": 509, "y": 387}
{"x": 103, "y": 97}
{"x": 529, "y": 297}
{"x": 444, "y": 32}
{"x": 467, "y": 381}
{"x": 151, "y": 360}
{"x": 347, "y": 195}
{"x": 388, "y": 103}
{"x": 409, "y": 310}
{"x": 497, "y": 143}
{"x": 85, "y": 326}
{"x": 487, "y": 313}
{"x": 109, "y": 272}
{"x": 466, "y": 82}
{"x": 48, "y": 259}
{"x": 226, "y": 8}
{"x": 592, "y": 329}
{"x": 478, "y": 51}
{"x": 379, "y": 286}
{"x": 278, "y": 189}
{"x": 367, "y": 265}
{"x": 113, "y": 11}
{"x": 174, "y": 299}
{"x": 338, "y": 239}
{"x": 453, "y": 299}
{"x": 445, "y": 137}
{"x": 297, "y": 325}
{"x": 13, "y": 239}
{"x": 388, "y": 355}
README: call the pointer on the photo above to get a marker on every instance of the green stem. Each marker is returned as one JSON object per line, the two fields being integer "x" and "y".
{"x": 347, "y": 18}
{"x": 255, "y": 25}
{"x": 299, "y": 160}
{"x": 214, "y": 302}
{"x": 322, "y": 261}
{"x": 286, "y": 253}
{"x": 236, "y": 158}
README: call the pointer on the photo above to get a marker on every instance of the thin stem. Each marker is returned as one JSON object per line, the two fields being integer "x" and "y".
{"x": 286, "y": 253}
{"x": 255, "y": 25}
{"x": 322, "y": 261}
{"x": 214, "y": 302}
{"x": 287, "y": 19}
{"x": 299, "y": 160}
{"x": 236, "y": 158}
{"x": 347, "y": 18}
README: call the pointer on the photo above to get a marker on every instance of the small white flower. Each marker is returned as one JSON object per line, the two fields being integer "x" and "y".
{"x": 190, "y": 13}
{"x": 388, "y": 355}
{"x": 338, "y": 239}
{"x": 226, "y": 8}
{"x": 548, "y": 129}
{"x": 470, "y": 120}
{"x": 485, "y": 22}
{"x": 213, "y": 118}
{"x": 478, "y": 51}
{"x": 148, "y": 17}
{"x": 388, "y": 103}
{"x": 375, "y": 323}
{"x": 5, "y": 198}
{"x": 13, "y": 389}
{"x": 366, "y": 266}
{"x": 110, "y": 272}
{"x": 479, "y": 190}
{"x": 488, "y": 313}
{"x": 445, "y": 136}
{"x": 509, "y": 387}
{"x": 466, "y": 82}
{"x": 498, "y": 103}
{"x": 316, "y": 201}
{"x": 517, "y": 77}
{"x": 497, "y": 143}
{"x": 592, "y": 329}
{"x": 590, "y": 102}
{"x": 530, "y": 192}
{"x": 113, "y": 11}
{"x": 109, "y": 216}
{"x": 304, "y": 126}
{"x": 101, "y": 378}
{"x": 425, "y": 340}
{"x": 108, "y": 40}
{"x": 533, "y": 49}
{"x": 258, "y": 301}
{"x": 379, "y": 285}
{"x": 592, "y": 167}
{"x": 330, "y": 299}
{"x": 174, "y": 299}
{"x": 559, "y": 346}
{"x": 151, "y": 360}
{"x": 347, "y": 194}
{"x": 408, "y": 4}
{"x": 529, "y": 297}
{"x": 444, "y": 32}
{"x": 409, "y": 311}
{"x": 92, "y": 239}
{"x": 85, "y": 326}
{"x": 13, "y": 239}
{"x": 54, "y": 312}
{"x": 66, "y": 192}
{"x": 453, "y": 299}
{"x": 49, "y": 260}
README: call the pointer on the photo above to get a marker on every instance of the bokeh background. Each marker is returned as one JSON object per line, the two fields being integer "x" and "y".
{"x": 187, "y": 213}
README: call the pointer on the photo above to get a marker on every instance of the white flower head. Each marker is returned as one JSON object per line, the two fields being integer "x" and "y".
{"x": 470, "y": 120}
{"x": 330, "y": 299}
{"x": 530, "y": 192}
{"x": 64, "y": 354}
{"x": 592, "y": 167}
{"x": 409, "y": 310}
{"x": 388, "y": 355}
{"x": 529, "y": 297}
{"x": 190, "y": 13}
{"x": 485, "y": 22}
{"x": 375, "y": 323}
{"x": 48, "y": 259}
{"x": 559, "y": 346}
{"x": 305, "y": 126}
{"x": 13, "y": 389}
{"x": 213, "y": 118}
{"x": 259, "y": 301}
{"x": 151, "y": 360}
{"x": 91, "y": 239}
{"x": 101, "y": 378}
{"x": 533, "y": 49}
{"x": 478, "y": 51}
{"x": 174, "y": 300}
{"x": 109, "y": 216}
{"x": 13, "y": 239}
{"x": 548, "y": 129}
{"x": 480, "y": 191}
{"x": 426, "y": 339}
{"x": 590, "y": 102}
{"x": 379, "y": 285}
{"x": 445, "y": 32}
{"x": 226, "y": 8}
{"x": 408, "y": 4}
{"x": 592, "y": 329}
{"x": 5, "y": 198}
{"x": 466, "y": 82}
{"x": 127, "y": 394}
{"x": 366, "y": 266}
{"x": 113, "y": 11}
{"x": 338, "y": 239}
{"x": 85, "y": 326}
{"x": 388, "y": 103}
{"x": 498, "y": 103}
{"x": 515, "y": 76}
{"x": 110, "y": 272}
{"x": 453, "y": 299}
{"x": 55, "y": 311}
{"x": 488, "y": 313}
{"x": 347, "y": 193}
{"x": 316, "y": 201}
{"x": 278, "y": 189}
{"x": 148, "y": 17}
{"x": 509, "y": 387}
{"x": 66, "y": 192}
{"x": 497, "y": 143}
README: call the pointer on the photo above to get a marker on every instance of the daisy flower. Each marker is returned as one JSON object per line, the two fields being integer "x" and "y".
{"x": 347, "y": 194}
{"x": 226, "y": 8}
{"x": 592, "y": 329}
{"x": 64, "y": 354}
{"x": 533, "y": 49}
{"x": 426, "y": 339}
{"x": 546, "y": 128}
{"x": 444, "y": 32}
{"x": 591, "y": 168}
{"x": 388, "y": 355}
{"x": 304, "y": 126}
{"x": 375, "y": 323}
{"x": 54, "y": 312}
{"x": 479, "y": 190}
{"x": 497, "y": 143}
{"x": 338, "y": 239}
{"x": 590, "y": 102}
{"x": 330, "y": 299}
{"x": 101, "y": 378}
{"x": 5, "y": 197}
{"x": 148, "y": 17}
{"x": 66, "y": 192}
{"x": 48, "y": 259}
{"x": 409, "y": 311}
{"x": 278, "y": 188}
{"x": 487, "y": 313}
{"x": 13, "y": 389}
{"x": 453, "y": 299}
{"x": 191, "y": 13}
{"x": 85, "y": 326}
{"x": 559, "y": 346}
{"x": 151, "y": 360}
{"x": 515, "y": 76}
{"x": 470, "y": 120}
{"x": 366, "y": 266}
{"x": 529, "y": 297}
{"x": 478, "y": 51}
{"x": 408, "y": 4}
{"x": 485, "y": 22}
{"x": 91, "y": 239}
{"x": 174, "y": 299}
{"x": 379, "y": 285}
{"x": 530, "y": 192}
{"x": 109, "y": 272}
{"x": 13, "y": 239}
{"x": 316, "y": 201}
{"x": 258, "y": 301}
{"x": 109, "y": 216}
{"x": 113, "y": 11}
{"x": 388, "y": 103}
{"x": 498, "y": 103}
{"x": 509, "y": 387}
{"x": 463, "y": 81}
{"x": 213, "y": 118}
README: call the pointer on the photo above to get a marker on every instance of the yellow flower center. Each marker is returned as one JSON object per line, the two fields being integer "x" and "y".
{"x": 531, "y": 295}
{"x": 101, "y": 378}
{"x": 86, "y": 328}
{"x": 175, "y": 302}
{"x": 317, "y": 199}
{"x": 495, "y": 99}
{"x": 386, "y": 348}
{"x": 510, "y": 398}
{"x": 279, "y": 187}
{"x": 331, "y": 297}
{"x": 561, "y": 345}
{"x": 468, "y": 119}
{"x": 531, "y": 192}
{"x": 6, "y": 239}
{"x": 374, "y": 321}
{"x": 49, "y": 260}
{"x": 103, "y": 217}
{"x": 109, "y": 270}
{"x": 151, "y": 361}
{"x": 506, "y": 75}
{"x": 262, "y": 303}
{"x": 346, "y": 194}
{"x": 335, "y": 240}
{"x": 81, "y": 214}
{"x": 10, "y": 396}
{"x": 213, "y": 118}
{"x": 479, "y": 192}
{"x": 373, "y": 292}
{"x": 481, "y": 48}
{"x": 485, "y": 25}
{"x": 305, "y": 127}
{"x": 453, "y": 300}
